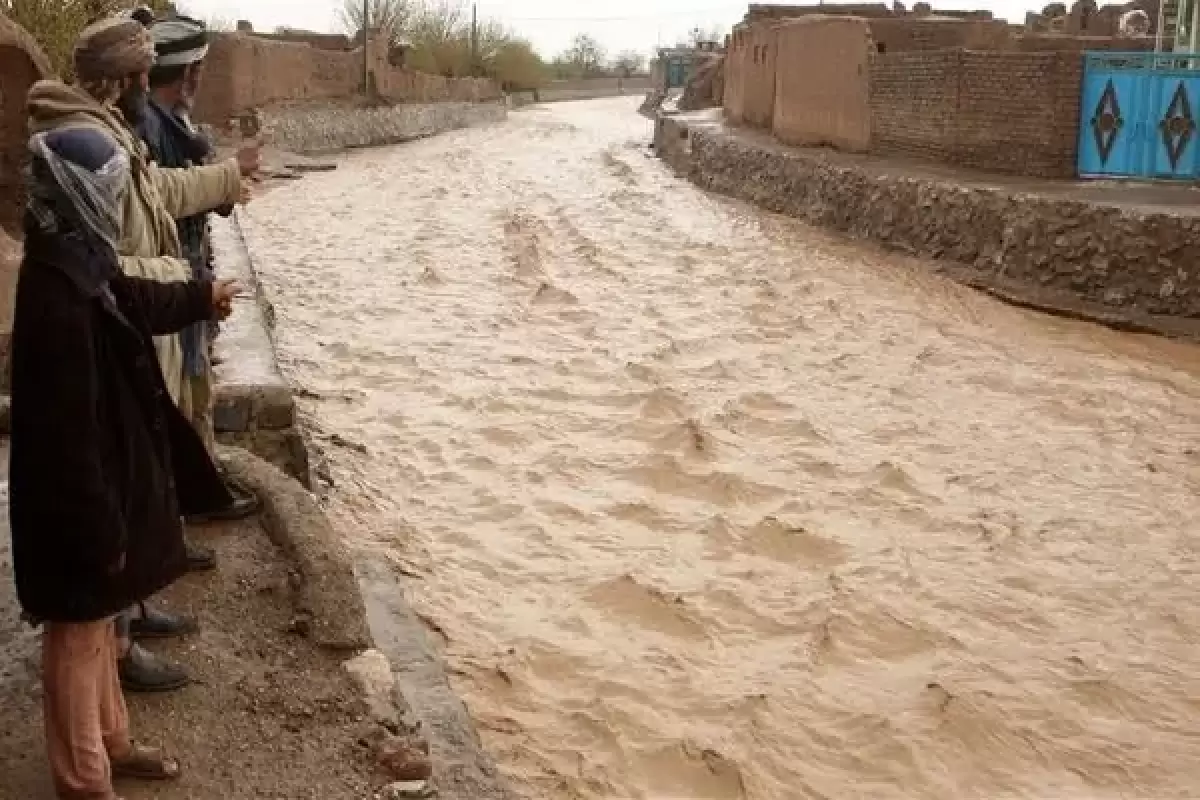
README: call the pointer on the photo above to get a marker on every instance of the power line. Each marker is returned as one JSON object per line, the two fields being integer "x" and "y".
{"x": 695, "y": 12}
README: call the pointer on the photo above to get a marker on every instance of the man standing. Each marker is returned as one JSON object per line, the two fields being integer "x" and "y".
{"x": 181, "y": 45}
{"x": 103, "y": 463}
{"x": 112, "y": 63}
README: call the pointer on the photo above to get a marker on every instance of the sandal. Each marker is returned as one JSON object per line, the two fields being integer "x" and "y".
{"x": 145, "y": 764}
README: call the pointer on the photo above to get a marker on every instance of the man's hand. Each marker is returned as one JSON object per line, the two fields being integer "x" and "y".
{"x": 223, "y": 295}
{"x": 249, "y": 158}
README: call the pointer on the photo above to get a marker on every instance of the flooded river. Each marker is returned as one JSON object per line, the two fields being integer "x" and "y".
{"x": 706, "y": 504}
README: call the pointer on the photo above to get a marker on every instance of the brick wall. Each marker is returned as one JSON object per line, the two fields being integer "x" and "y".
{"x": 821, "y": 82}
{"x": 902, "y": 34}
{"x": 913, "y": 103}
{"x": 1008, "y": 112}
{"x": 1034, "y": 42}
{"x": 244, "y": 72}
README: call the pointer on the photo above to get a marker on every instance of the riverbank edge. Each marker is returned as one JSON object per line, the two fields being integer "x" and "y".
{"x": 372, "y": 608}
{"x": 1116, "y": 267}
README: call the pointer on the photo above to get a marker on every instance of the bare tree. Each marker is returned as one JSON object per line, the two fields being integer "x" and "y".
{"x": 435, "y": 23}
{"x": 629, "y": 62}
{"x": 390, "y": 17}
{"x": 585, "y": 56}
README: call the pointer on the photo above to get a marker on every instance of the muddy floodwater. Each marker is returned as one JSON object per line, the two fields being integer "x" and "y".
{"x": 702, "y": 503}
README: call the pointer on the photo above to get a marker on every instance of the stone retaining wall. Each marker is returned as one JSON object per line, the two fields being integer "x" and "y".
{"x": 1102, "y": 262}
{"x": 325, "y": 130}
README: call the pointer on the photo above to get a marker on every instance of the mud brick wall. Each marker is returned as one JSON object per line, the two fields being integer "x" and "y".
{"x": 245, "y": 72}
{"x": 22, "y": 63}
{"x": 904, "y": 34}
{"x": 735, "y": 75}
{"x": 821, "y": 86}
{"x": 759, "y": 71}
{"x": 1008, "y": 112}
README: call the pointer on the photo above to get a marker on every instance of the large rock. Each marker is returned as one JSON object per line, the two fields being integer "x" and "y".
{"x": 22, "y": 63}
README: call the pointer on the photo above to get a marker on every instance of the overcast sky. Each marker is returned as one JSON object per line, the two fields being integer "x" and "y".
{"x": 549, "y": 24}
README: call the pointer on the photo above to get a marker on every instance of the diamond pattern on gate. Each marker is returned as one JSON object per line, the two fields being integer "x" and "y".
{"x": 1107, "y": 122}
{"x": 1177, "y": 125}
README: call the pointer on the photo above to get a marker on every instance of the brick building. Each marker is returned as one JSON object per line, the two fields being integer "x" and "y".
{"x": 957, "y": 88}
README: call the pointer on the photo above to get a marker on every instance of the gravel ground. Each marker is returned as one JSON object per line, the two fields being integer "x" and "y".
{"x": 269, "y": 716}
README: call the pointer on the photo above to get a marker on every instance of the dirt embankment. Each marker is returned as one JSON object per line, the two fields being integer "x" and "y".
{"x": 274, "y": 711}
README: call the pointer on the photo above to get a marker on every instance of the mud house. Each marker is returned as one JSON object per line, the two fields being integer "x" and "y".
{"x": 960, "y": 88}
{"x": 21, "y": 63}
{"x": 246, "y": 71}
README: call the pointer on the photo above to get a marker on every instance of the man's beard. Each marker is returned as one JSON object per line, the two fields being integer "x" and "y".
{"x": 132, "y": 104}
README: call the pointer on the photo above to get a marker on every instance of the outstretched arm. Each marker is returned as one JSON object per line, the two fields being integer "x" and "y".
{"x": 168, "y": 307}
{"x": 196, "y": 190}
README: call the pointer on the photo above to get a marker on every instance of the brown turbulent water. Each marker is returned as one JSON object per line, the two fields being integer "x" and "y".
{"x": 708, "y": 504}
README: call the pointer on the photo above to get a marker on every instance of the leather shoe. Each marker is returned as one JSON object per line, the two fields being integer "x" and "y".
{"x": 143, "y": 672}
{"x": 199, "y": 559}
{"x": 245, "y": 505}
{"x": 154, "y": 624}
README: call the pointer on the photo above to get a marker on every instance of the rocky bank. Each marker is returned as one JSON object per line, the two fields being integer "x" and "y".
{"x": 1131, "y": 266}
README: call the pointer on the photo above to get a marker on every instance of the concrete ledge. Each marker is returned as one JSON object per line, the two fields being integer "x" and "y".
{"x": 254, "y": 407}
{"x": 1063, "y": 248}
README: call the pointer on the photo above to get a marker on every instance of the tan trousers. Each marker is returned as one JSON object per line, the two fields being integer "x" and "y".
{"x": 84, "y": 710}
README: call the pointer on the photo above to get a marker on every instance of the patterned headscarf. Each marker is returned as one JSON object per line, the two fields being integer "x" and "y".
{"x": 112, "y": 49}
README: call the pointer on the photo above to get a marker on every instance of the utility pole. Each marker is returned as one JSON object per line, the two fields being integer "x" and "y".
{"x": 366, "y": 33}
{"x": 474, "y": 39}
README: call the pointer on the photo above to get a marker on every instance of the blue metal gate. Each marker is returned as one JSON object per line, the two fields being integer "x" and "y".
{"x": 1139, "y": 115}
{"x": 676, "y": 73}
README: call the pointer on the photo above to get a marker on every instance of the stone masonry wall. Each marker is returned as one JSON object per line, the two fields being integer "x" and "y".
{"x": 324, "y": 130}
{"x": 1008, "y": 112}
{"x": 590, "y": 88}
{"x": 1117, "y": 264}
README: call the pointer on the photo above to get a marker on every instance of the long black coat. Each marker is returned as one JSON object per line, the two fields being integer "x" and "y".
{"x": 103, "y": 463}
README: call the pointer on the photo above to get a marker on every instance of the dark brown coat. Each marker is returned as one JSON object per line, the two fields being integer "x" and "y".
{"x": 103, "y": 463}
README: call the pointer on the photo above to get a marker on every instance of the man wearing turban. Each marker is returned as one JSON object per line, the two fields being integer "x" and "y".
{"x": 182, "y": 44}
{"x": 112, "y": 62}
